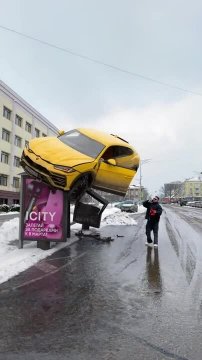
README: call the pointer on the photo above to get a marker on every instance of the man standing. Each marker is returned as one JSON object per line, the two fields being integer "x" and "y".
{"x": 153, "y": 213}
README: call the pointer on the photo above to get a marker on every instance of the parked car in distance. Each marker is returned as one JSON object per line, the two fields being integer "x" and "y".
{"x": 190, "y": 203}
{"x": 128, "y": 206}
{"x": 80, "y": 159}
{"x": 182, "y": 202}
{"x": 196, "y": 203}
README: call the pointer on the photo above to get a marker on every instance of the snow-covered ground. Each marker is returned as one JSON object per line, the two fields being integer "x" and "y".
{"x": 14, "y": 260}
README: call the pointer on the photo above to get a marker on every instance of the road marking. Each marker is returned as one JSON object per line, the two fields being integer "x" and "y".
{"x": 52, "y": 272}
{"x": 45, "y": 267}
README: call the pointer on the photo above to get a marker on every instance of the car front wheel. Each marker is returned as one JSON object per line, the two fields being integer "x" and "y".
{"x": 79, "y": 188}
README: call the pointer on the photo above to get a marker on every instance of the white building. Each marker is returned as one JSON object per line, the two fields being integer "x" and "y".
{"x": 192, "y": 189}
{"x": 134, "y": 192}
{"x": 19, "y": 122}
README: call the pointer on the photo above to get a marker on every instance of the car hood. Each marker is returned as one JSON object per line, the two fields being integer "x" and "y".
{"x": 52, "y": 150}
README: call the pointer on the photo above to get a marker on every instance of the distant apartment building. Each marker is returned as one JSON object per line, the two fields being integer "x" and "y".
{"x": 134, "y": 192}
{"x": 192, "y": 189}
{"x": 19, "y": 122}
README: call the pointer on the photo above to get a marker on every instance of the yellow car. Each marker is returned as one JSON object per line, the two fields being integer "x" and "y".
{"x": 80, "y": 159}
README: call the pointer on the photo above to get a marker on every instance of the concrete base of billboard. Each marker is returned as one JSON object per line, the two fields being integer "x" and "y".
{"x": 44, "y": 245}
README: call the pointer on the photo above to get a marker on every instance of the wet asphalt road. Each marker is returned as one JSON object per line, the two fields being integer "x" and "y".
{"x": 110, "y": 301}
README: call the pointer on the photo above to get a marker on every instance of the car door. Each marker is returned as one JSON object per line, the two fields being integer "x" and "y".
{"x": 113, "y": 178}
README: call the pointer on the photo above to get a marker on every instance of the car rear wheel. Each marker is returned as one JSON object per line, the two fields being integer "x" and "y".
{"x": 79, "y": 188}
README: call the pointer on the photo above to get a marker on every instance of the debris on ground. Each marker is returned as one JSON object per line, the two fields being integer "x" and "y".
{"x": 96, "y": 236}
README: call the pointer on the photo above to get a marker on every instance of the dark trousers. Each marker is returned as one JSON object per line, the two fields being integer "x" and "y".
{"x": 152, "y": 226}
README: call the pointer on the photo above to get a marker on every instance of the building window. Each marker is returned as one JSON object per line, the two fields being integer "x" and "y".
{"x": 6, "y": 135}
{"x": 44, "y": 135}
{"x": 16, "y": 161}
{"x": 16, "y": 201}
{"x": 18, "y": 141}
{"x": 16, "y": 182}
{"x": 3, "y": 180}
{"x": 4, "y": 157}
{"x": 18, "y": 120}
{"x": 37, "y": 132}
{"x": 6, "y": 113}
{"x": 3, "y": 201}
{"x": 28, "y": 127}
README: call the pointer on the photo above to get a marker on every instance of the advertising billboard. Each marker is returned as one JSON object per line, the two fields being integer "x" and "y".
{"x": 43, "y": 211}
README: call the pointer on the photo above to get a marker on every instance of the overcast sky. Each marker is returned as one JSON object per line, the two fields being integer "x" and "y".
{"x": 119, "y": 45}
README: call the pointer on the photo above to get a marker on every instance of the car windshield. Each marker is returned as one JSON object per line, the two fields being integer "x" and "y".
{"x": 82, "y": 143}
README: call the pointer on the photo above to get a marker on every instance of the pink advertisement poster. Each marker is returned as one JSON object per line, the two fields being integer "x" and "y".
{"x": 43, "y": 212}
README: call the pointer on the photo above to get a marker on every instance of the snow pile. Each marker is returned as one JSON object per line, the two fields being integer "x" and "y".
{"x": 120, "y": 218}
{"x": 9, "y": 231}
{"x": 141, "y": 209}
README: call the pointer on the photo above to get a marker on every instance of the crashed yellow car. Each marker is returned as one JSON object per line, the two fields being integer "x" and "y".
{"x": 80, "y": 159}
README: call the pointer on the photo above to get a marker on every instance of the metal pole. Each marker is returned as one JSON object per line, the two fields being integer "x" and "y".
{"x": 145, "y": 161}
{"x": 67, "y": 216}
{"x": 140, "y": 196}
{"x": 21, "y": 211}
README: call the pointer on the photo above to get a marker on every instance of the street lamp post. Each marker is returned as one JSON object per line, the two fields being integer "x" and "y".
{"x": 145, "y": 161}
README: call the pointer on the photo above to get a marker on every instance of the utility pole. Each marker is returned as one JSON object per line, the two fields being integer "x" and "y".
{"x": 140, "y": 194}
{"x": 145, "y": 161}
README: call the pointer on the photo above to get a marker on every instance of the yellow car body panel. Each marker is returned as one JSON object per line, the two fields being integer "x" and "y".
{"x": 105, "y": 178}
{"x": 43, "y": 154}
{"x": 48, "y": 149}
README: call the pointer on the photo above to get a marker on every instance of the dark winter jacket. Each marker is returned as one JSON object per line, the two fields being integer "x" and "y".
{"x": 154, "y": 211}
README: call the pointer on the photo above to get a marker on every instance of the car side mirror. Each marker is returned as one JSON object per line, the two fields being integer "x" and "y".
{"x": 61, "y": 132}
{"x": 111, "y": 162}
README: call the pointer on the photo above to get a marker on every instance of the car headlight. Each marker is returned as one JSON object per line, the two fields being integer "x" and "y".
{"x": 28, "y": 148}
{"x": 66, "y": 169}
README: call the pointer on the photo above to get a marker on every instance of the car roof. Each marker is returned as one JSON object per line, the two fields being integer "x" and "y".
{"x": 103, "y": 137}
